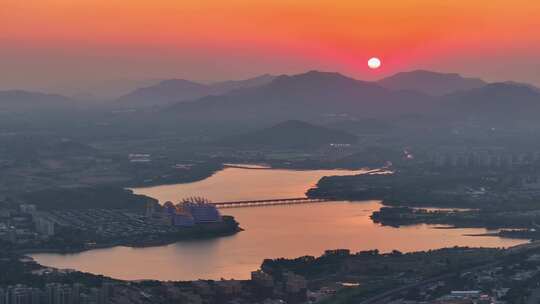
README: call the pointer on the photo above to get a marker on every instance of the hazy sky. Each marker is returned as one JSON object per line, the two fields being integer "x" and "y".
{"x": 81, "y": 43}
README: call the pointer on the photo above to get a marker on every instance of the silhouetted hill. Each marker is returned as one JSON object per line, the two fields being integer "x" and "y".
{"x": 362, "y": 126}
{"x": 291, "y": 134}
{"x": 231, "y": 85}
{"x": 19, "y": 99}
{"x": 306, "y": 96}
{"x": 498, "y": 100}
{"x": 165, "y": 92}
{"x": 530, "y": 86}
{"x": 178, "y": 90}
{"x": 432, "y": 83}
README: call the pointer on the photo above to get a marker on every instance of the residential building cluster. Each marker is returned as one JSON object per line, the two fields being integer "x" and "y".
{"x": 484, "y": 157}
{"x": 56, "y": 293}
{"x": 491, "y": 285}
{"x": 17, "y": 225}
{"x": 29, "y": 226}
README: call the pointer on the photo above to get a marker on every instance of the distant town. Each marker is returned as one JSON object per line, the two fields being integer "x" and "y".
{"x": 31, "y": 230}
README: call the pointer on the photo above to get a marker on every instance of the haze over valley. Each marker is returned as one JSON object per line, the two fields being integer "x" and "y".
{"x": 269, "y": 152}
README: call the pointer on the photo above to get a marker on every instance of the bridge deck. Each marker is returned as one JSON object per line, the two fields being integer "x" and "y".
{"x": 265, "y": 202}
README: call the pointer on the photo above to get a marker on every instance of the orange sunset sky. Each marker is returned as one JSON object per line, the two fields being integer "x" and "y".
{"x": 65, "y": 44}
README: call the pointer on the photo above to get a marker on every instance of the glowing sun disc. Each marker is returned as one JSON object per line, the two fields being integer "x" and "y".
{"x": 374, "y": 63}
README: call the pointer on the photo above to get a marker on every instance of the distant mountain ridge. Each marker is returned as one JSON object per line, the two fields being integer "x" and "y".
{"x": 231, "y": 85}
{"x": 324, "y": 97}
{"x": 495, "y": 100}
{"x": 306, "y": 96}
{"x": 432, "y": 83}
{"x": 530, "y": 86}
{"x": 317, "y": 96}
{"x": 291, "y": 134}
{"x": 178, "y": 90}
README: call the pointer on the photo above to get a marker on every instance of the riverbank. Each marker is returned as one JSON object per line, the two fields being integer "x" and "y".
{"x": 199, "y": 172}
{"x": 337, "y": 276}
{"x": 435, "y": 187}
{"x": 179, "y": 173}
{"x": 494, "y": 199}
{"x": 507, "y": 224}
{"x": 228, "y": 227}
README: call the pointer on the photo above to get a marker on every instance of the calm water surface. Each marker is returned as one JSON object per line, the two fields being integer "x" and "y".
{"x": 270, "y": 232}
{"x": 235, "y": 184}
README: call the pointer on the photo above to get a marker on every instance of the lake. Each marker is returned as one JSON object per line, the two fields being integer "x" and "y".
{"x": 270, "y": 231}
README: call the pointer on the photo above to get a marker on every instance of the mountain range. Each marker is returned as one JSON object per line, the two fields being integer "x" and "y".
{"x": 432, "y": 83}
{"x": 494, "y": 101}
{"x": 317, "y": 96}
{"x": 310, "y": 95}
{"x": 178, "y": 90}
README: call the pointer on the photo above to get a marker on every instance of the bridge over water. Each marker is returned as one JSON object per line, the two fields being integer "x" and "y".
{"x": 268, "y": 202}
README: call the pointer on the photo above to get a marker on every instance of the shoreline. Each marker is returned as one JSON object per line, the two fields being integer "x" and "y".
{"x": 132, "y": 185}
{"x": 120, "y": 244}
{"x": 203, "y": 235}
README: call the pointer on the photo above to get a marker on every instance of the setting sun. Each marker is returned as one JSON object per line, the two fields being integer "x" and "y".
{"x": 374, "y": 63}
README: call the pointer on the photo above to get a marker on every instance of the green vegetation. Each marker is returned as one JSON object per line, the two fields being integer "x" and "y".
{"x": 291, "y": 134}
{"x": 403, "y": 216}
{"x": 87, "y": 198}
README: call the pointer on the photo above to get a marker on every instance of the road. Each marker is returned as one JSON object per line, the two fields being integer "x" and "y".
{"x": 383, "y": 297}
